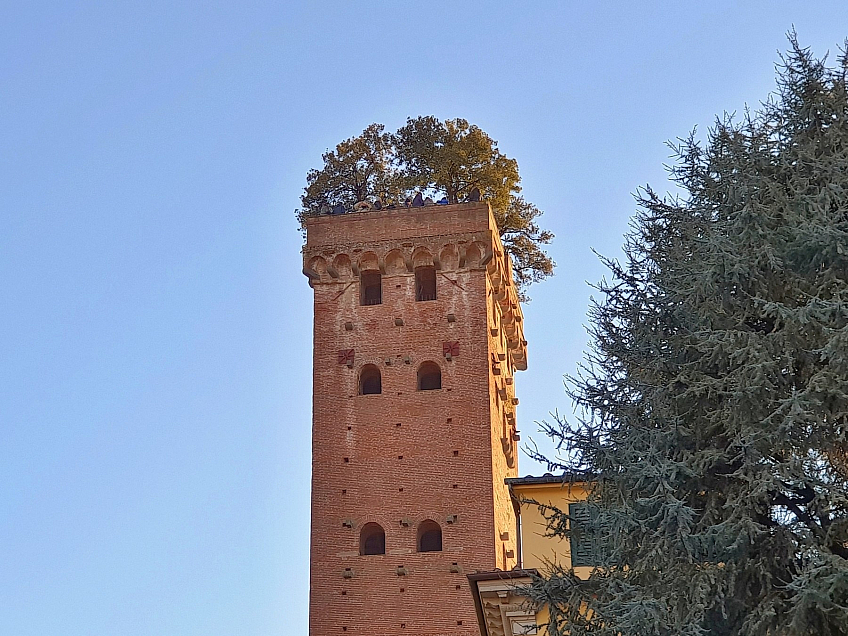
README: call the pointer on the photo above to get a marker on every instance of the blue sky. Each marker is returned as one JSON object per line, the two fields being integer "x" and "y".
{"x": 155, "y": 336}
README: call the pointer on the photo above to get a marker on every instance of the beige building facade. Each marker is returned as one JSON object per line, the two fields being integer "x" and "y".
{"x": 502, "y": 608}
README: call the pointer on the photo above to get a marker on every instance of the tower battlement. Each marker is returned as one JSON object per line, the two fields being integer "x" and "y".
{"x": 417, "y": 334}
{"x": 395, "y": 242}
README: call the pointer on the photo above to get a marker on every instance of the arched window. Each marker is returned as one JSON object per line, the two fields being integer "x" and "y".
{"x": 370, "y": 288}
{"x": 372, "y": 539}
{"x": 425, "y": 283}
{"x": 370, "y": 382}
{"x": 429, "y": 536}
{"x": 429, "y": 377}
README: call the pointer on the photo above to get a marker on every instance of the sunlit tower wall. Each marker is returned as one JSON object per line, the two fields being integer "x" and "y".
{"x": 417, "y": 334}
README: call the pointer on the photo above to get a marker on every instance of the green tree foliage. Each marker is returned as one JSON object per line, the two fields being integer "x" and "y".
{"x": 359, "y": 168}
{"x": 454, "y": 157}
{"x": 523, "y": 238}
{"x": 714, "y": 403}
{"x": 448, "y": 158}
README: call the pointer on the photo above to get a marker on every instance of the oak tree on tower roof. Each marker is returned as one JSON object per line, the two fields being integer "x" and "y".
{"x": 451, "y": 159}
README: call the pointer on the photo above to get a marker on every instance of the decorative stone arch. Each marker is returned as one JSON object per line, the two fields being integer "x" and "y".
{"x": 316, "y": 268}
{"x": 449, "y": 257}
{"x": 422, "y": 257}
{"x": 368, "y": 261}
{"x": 342, "y": 265}
{"x": 475, "y": 254}
{"x": 395, "y": 263}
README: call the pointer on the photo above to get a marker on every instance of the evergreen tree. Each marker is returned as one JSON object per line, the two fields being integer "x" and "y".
{"x": 714, "y": 402}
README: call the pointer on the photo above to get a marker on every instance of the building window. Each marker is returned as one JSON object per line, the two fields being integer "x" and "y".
{"x": 371, "y": 288}
{"x": 429, "y": 536}
{"x": 425, "y": 283}
{"x": 586, "y": 546}
{"x": 372, "y": 539}
{"x": 370, "y": 382}
{"x": 526, "y": 626}
{"x": 429, "y": 377}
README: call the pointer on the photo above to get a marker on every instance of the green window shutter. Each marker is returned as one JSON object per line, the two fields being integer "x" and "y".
{"x": 583, "y": 550}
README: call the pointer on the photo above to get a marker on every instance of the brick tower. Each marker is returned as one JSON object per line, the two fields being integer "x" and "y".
{"x": 417, "y": 334}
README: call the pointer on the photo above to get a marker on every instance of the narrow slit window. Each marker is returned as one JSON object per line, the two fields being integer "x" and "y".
{"x": 429, "y": 536}
{"x": 425, "y": 283}
{"x": 371, "y": 288}
{"x": 372, "y": 539}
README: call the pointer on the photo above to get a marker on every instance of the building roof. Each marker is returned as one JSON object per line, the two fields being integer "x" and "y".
{"x": 502, "y": 575}
{"x": 547, "y": 478}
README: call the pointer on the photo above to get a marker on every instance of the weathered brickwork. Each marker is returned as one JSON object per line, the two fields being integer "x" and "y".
{"x": 404, "y": 456}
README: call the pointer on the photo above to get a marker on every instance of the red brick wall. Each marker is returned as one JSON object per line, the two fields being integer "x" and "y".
{"x": 439, "y": 461}
{"x": 398, "y": 225}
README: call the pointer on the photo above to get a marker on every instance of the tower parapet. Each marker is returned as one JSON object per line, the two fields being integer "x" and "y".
{"x": 449, "y": 236}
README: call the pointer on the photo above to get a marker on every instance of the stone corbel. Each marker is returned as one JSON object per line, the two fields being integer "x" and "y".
{"x": 487, "y": 257}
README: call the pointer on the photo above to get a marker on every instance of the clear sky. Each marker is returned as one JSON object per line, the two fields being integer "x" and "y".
{"x": 155, "y": 336}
